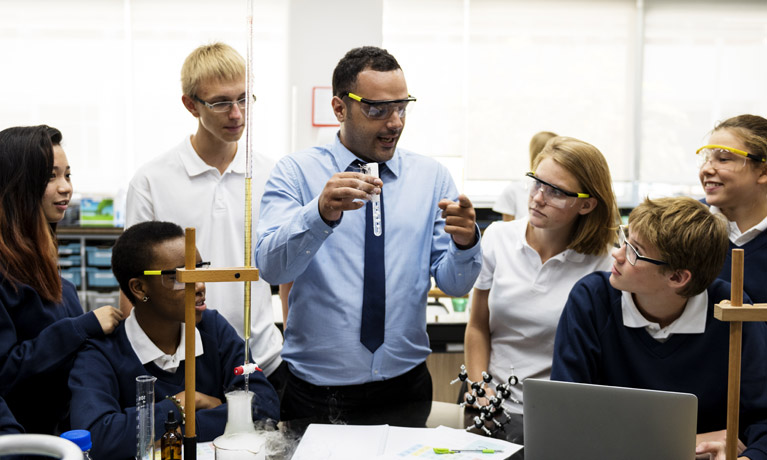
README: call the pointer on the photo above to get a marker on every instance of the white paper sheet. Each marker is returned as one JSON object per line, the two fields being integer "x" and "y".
{"x": 383, "y": 442}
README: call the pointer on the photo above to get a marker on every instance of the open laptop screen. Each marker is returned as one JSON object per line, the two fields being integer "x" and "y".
{"x": 583, "y": 421}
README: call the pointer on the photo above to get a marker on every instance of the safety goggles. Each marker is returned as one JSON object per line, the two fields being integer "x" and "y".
{"x": 632, "y": 255}
{"x": 552, "y": 195}
{"x": 724, "y": 158}
{"x": 168, "y": 277}
{"x": 381, "y": 110}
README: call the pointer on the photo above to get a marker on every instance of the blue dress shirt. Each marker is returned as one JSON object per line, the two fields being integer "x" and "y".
{"x": 326, "y": 263}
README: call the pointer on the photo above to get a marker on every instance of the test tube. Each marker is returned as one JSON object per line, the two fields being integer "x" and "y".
{"x": 145, "y": 417}
{"x": 371, "y": 169}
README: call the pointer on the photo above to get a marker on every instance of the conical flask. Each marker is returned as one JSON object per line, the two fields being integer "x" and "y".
{"x": 240, "y": 440}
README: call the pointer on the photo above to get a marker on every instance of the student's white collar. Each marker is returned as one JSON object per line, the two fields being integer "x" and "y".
{"x": 738, "y": 238}
{"x": 147, "y": 351}
{"x": 692, "y": 321}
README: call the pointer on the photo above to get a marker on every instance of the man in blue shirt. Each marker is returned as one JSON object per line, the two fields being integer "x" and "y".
{"x": 312, "y": 234}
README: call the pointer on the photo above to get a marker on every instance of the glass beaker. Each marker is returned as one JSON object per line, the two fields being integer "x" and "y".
{"x": 145, "y": 417}
{"x": 240, "y": 440}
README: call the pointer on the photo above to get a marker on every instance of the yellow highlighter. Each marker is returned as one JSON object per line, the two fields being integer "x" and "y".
{"x": 443, "y": 450}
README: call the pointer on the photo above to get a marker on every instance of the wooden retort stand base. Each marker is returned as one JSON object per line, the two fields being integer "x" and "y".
{"x": 189, "y": 275}
{"x": 736, "y": 313}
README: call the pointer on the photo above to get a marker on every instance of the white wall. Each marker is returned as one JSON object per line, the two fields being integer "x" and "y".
{"x": 321, "y": 32}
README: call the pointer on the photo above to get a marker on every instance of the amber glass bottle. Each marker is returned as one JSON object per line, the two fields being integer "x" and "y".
{"x": 170, "y": 443}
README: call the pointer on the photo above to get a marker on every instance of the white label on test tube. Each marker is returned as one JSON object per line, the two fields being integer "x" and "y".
{"x": 371, "y": 169}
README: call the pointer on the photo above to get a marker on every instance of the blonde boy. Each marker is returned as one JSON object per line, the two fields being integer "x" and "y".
{"x": 201, "y": 183}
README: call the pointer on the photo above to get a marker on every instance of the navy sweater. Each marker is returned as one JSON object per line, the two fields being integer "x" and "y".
{"x": 38, "y": 343}
{"x": 103, "y": 384}
{"x": 593, "y": 346}
{"x": 754, "y": 267}
{"x": 8, "y": 424}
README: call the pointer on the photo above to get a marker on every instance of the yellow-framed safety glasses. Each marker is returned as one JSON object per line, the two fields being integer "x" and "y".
{"x": 381, "y": 110}
{"x": 168, "y": 277}
{"x": 725, "y": 158}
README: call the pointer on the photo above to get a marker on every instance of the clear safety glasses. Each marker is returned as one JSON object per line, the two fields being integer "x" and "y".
{"x": 224, "y": 106}
{"x": 724, "y": 158}
{"x": 168, "y": 277}
{"x": 632, "y": 255}
{"x": 552, "y": 195}
{"x": 381, "y": 110}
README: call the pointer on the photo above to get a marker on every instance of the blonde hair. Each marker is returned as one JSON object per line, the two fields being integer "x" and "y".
{"x": 688, "y": 237}
{"x": 595, "y": 231}
{"x": 538, "y": 142}
{"x": 216, "y": 61}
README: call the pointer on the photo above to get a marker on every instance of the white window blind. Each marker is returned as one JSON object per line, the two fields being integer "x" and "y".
{"x": 705, "y": 61}
{"x": 107, "y": 74}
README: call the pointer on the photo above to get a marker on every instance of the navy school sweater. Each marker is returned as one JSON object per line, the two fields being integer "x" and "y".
{"x": 103, "y": 384}
{"x": 754, "y": 267}
{"x": 8, "y": 424}
{"x": 38, "y": 343}
{"x": 593, "y": 346}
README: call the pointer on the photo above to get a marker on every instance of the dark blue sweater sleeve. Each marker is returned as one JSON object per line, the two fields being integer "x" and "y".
{"x": 23, "y": 357}
{"x": 753, "y": 390}
{"x": 8, "y": 424}
{"x": 577, "y": 349}
{"x": 94, "y": 383}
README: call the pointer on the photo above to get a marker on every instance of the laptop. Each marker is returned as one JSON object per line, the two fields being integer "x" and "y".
{"x": 582, "y": 421}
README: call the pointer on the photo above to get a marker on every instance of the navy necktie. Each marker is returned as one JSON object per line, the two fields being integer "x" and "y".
{"x": 374, "y": 287}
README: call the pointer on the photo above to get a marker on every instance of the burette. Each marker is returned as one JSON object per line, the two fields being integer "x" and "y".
{"x": 249, "y": 100}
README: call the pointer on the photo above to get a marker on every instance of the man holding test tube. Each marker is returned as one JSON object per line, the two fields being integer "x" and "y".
{"x": 355, "y": 335}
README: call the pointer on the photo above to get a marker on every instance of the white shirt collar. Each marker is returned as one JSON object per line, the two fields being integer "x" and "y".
{"x": 692, "y": 321}
{"x": 147, "y": 351}
{"x": 195, "y": 166}
{"x": 567, "y": 254}
{"x": 738, "y": 238}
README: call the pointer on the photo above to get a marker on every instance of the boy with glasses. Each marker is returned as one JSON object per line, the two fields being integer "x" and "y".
{"x": 649, "y": 322}
{"x": 355, "y": 336}
{"x": 201, "y": 183}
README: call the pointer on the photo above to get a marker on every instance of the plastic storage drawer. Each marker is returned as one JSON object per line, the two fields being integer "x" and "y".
{"x": 101, "y": 278}
{"x": 97, "y": 299}
{"x": 70, "y": 261}
{"x": 72, "y": 275}
{"x": 98, "y": 257}
{"x": 69, "y": 249}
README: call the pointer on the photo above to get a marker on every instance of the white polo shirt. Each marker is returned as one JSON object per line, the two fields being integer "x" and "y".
{"x": 526, "y": 300}
{"x": 513, "y": 200}
{"x": 180, "y": 187}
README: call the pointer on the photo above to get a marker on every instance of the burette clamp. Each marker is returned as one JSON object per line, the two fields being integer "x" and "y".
{"x": 247, "y": 369}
